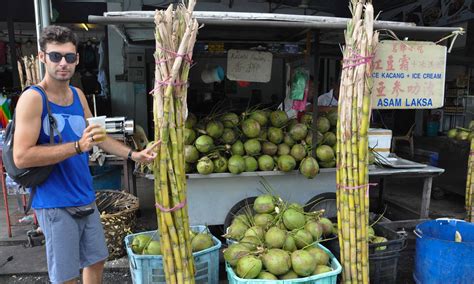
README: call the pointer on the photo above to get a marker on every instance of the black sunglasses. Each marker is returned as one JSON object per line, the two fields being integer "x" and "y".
{"x": 56, "y": 57}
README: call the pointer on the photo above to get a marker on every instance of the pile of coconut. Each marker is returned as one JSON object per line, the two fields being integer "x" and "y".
{"x": 278, "y": 240}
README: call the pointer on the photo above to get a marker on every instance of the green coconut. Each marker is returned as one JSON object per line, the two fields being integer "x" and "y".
{"x": 275, "y": 135}
{"x": 452, "y": 133}
{"x": 321, "y": 257}
{"x": 264, "y": 204}
{"x": 283, "y": 149}
{"x": 251, "y": 164}
{"x": 277, "y": 261}
{"x": 319, "y": 137}
{"x": 290, "y": 244}
{"x": 251, "y": 128}
{"x": 241, "y": 218}
{"x": 268, "y": 148}
{"x": 252, "y": 147}
{"x": 266, "y": 276}
{"x": 205, "y": 166}
{"x": 255, "y": 231}
{"x": 153, "y": 248}
{"x": 139, "y": 243}
{"x": 303, "y": 238}
{"x": 238, "y": 148}
{"x": 322, "y": 124}
{"x": 230, "y": 119}
{"x": 235, "y": 252}
{"x": 278, "y": 118}
{"x": 215, "y": 129}
{"x": 248, "y": 267}
{"x": 191, "y": 121}
{"x": 286, "y": 163}
{"x": 332, "y": 117}
{"x": 324, "y": 153}
{"x": 315, "y": 229}
{"x": 307, "y": 118}
{"x": 291, "y": 122}
{"x": 260, "y": 117}
{"x": 189, "y": 136}
{"x": 263, "y": 220}
{"x": 236, "y": 231}
{"x": 289, "y": 275}
{"x": 266, "y": 163}
{"x": 201, "y": 242}
{"x": 378, "y": 240}
{"x": 236, "y": 164}
{"x": 288, "y": 140}
{"x": 298, "y": 131}
{"x": 251, "y": 242}
{"x": 309, "y": 167}
{"x": 293, "y": 219}
{"x": 462, "y": 135}
{"x": 275, "y": 237}
{"x": 298, "y": 152}
{"x": 220, "y": 165}
{"x": 204, "y": 144}
{"x": 229, "y": 136}
{"x": 329, "y": 139}
{"x": 191, "y": 154}
{"x": 303, "y": 263}
{"x": 327, "y": 225}
{"x": 320, "y": 269}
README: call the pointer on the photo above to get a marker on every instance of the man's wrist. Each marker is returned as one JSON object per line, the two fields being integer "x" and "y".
{"x": 130, "y": 153}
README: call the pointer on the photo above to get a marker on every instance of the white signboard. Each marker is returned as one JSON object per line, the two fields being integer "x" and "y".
{"x": 248, "y": 65}
{"x": 408, "y": 75}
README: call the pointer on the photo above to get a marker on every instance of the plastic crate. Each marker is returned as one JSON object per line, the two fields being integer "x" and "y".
{"x": 383, "y": 263}
{"x": 148, "y": 269}
{"x": 323, "y": 278}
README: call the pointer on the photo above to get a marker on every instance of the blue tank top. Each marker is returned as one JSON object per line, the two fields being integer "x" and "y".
{"x": 70, "y": 182}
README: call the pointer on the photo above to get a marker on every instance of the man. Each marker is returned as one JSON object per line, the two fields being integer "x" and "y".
{"x": 72, "y": 243}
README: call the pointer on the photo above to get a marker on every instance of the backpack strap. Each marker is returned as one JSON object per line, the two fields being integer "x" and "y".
{"x": 53, "y": 126}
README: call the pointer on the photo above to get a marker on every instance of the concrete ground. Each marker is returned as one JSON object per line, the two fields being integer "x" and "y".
{"x": 29, "y": 264}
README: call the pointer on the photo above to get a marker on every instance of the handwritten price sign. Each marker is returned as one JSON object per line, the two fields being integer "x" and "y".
{"x": 408, "y": 75}
{"x": 249, "y": 65}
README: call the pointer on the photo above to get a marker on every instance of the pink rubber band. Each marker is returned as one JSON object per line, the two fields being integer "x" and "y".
{"x": 167, "y": 210}
{"x": 186, "y": 57}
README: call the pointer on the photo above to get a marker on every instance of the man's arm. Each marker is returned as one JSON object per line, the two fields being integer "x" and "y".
{"x": 26, "y": 153}
{"x": 115, "y": 147}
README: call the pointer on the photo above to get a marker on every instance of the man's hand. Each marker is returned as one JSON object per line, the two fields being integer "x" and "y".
{"x": 147, "y": 155}
{"x": 92, "y": 136}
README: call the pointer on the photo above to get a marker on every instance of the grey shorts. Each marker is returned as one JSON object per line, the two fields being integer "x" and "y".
{"x": 71, "y": 243}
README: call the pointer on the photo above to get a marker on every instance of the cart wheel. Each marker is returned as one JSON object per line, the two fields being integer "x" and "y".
{"x": 326, "y": 201}
{"x": 438, "y": 193}
{"x": 244, "y": 206}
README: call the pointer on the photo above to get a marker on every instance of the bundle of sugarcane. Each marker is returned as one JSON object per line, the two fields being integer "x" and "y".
{"x": 470, "y": 185}
{"x": 175, "y": 36}
{"x": 352, "y": 142}
{"x": 28, "y": 71}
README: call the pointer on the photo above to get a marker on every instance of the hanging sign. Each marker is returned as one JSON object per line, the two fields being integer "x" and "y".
{"x": 249, "y": 65}
{"x": 408, "y": 75}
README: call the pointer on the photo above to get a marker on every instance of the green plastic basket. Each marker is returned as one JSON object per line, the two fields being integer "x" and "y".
{"x": 323, "y": 278}
{"x": 148, "y": 269}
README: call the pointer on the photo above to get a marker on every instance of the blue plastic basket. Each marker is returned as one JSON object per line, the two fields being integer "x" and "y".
{"x": 148, "y": 269}
{"x": 323, "y": 278}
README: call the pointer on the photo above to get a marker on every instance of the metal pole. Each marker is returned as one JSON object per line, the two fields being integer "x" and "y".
{"x": 11, "y": 39}
{"x": 42, "y": 19}
{"x": 316, "y": 58}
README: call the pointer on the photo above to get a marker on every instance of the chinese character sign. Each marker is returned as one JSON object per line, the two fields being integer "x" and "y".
{"x": 408, "y": 74}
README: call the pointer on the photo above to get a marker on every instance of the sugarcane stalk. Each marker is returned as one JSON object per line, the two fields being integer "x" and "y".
{"x": 469, "y": 185}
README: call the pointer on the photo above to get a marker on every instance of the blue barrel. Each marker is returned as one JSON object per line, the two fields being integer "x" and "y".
{"x": 439, "y": 259}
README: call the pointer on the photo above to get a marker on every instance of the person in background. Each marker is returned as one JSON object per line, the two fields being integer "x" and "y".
{"x": 73, "y": 242}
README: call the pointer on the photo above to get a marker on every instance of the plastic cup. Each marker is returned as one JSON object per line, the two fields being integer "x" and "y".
{"x": 98, "y": 120}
